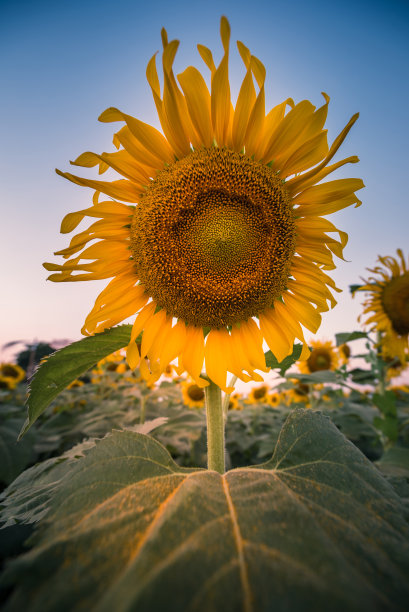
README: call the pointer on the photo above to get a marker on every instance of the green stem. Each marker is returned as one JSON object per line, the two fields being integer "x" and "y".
{"x": 381, "y": 367}
{"x": 215, "y": 428}
{"x": 142, "y": 415}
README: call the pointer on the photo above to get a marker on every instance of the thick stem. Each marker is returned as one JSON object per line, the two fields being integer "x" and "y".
{"x": 215, "y": 428}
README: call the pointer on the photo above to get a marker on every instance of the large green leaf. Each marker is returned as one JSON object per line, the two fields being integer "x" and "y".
{"x": 316, "y": 528}
{"x": 67, "y": 364}
{"x": 14, "y": 456}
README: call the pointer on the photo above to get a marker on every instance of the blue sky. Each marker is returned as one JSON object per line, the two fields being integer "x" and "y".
{"x": 62, "y": 64}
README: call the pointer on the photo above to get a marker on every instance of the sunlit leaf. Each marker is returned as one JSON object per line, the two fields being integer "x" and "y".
{"x": 67, "y": 364}
{"x": 283, "y": 366}
{"x": 316, "y": 528}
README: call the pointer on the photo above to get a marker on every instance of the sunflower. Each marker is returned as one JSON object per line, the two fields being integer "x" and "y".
{"x": 193, "y": 395}
{"x": 274, "y": 399}
{"x": 344, "y": 353}
{"x": 323, "y": 357}
{"x": 258, "y": 395}
{"x": 11, "y": 374}
{"x": 388, "y": 300}
{"x": 299, "y": 394}
{"x": 214, "y": 235}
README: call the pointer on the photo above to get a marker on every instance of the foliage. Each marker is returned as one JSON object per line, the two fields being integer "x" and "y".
{"x": 70, "y": 437}
{"x": 127, "y": 526}
{"x": 67, "y": 364}
{"x": 33, "y": 354}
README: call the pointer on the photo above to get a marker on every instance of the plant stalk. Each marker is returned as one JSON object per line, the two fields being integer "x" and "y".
{"x": 143, "y": 409}
{"x": 215, "y": 428}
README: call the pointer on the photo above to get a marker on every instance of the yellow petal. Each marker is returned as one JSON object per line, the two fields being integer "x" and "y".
{"x": 198, "y": 103}
{"x": 303, "y": 312}
{"x": 215, "y": 358}
{"x": 308, "y": 154}
{"x": 288, "y": 130}
{"x": 148, "y": 136}
{"x": 121, "y": 190}
{"x": 220, "y": 96}
{"x": 278, "y": 342}
{"x": 175, "y": 344}
{"x": 245, "y": 103}
{"x": 151, "y": 329}
{"x": 296, "y": 184}
{"x": 193, "y": 354}
{"x": 253, "y": 340}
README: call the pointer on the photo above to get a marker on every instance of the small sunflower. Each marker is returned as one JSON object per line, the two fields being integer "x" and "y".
{"x": 258, "y": 395}
{"x": 299, "y": 394}
{"x": 388, "y": 301}
{"x": 274, "y": 399}
{"x": 11, "y": 374}
{"x": 214, "y": 235}
{"x": 323, "y": 357}
{"x": 344, "y": 353}
{"x": 7, "y": 384}
{"x": 75, "y": 384}
{"x": 193, "y": 395}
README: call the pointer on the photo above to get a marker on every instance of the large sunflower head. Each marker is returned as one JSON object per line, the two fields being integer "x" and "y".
{"x": 214, "y": 235}
{"x": 323, "y": 356}
{"x": 387, "y": 303}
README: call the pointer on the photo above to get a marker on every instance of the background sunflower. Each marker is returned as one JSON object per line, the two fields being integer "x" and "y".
{"x": 387, "y": 303}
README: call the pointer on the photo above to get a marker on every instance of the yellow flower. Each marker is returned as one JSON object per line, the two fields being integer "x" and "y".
{"x": 11, "y": 374}
{"x": 258, "y": 395}
{"x": 193, "y": 395}
{"x": 274, "y": 399}
{"x": 75, "y": 383}
{"x": 388, "y": 300}
{"x": 323, "y": 357}
{"x": 214, "y": 235}
{"x": 300, "y": 393}
{"x": 344, "y": 353}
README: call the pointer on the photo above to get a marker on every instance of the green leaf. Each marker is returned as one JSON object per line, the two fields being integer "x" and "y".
{"x": 323, "y": 376}
{"x": 354, "y": 288}
{"x": 386, "y": 402}
{"x": 316, "y": 528}
{"x": 283, "y": 366}
{"x": 27, "y": 499}
{"x": 14, "y": 456}
{"x": 67, "y": 364}
{"x": 362, "y": 377}
{"x": 344, "y": 337}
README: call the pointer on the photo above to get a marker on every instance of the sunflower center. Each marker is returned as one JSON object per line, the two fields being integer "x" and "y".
{"x": 395, "y": 300}
{"x": 213, "y": 237}
{"x": 259, "y": 393}
{"x": 319, "y": 360}
{"x": 9, "y": 370}
{"x": 195, "y": 393}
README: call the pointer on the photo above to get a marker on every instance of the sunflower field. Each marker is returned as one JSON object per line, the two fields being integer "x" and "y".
{"x": 136, "y": 473}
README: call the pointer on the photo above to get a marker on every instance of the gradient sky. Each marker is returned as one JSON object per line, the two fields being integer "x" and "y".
{"x": 63, "y": 63}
